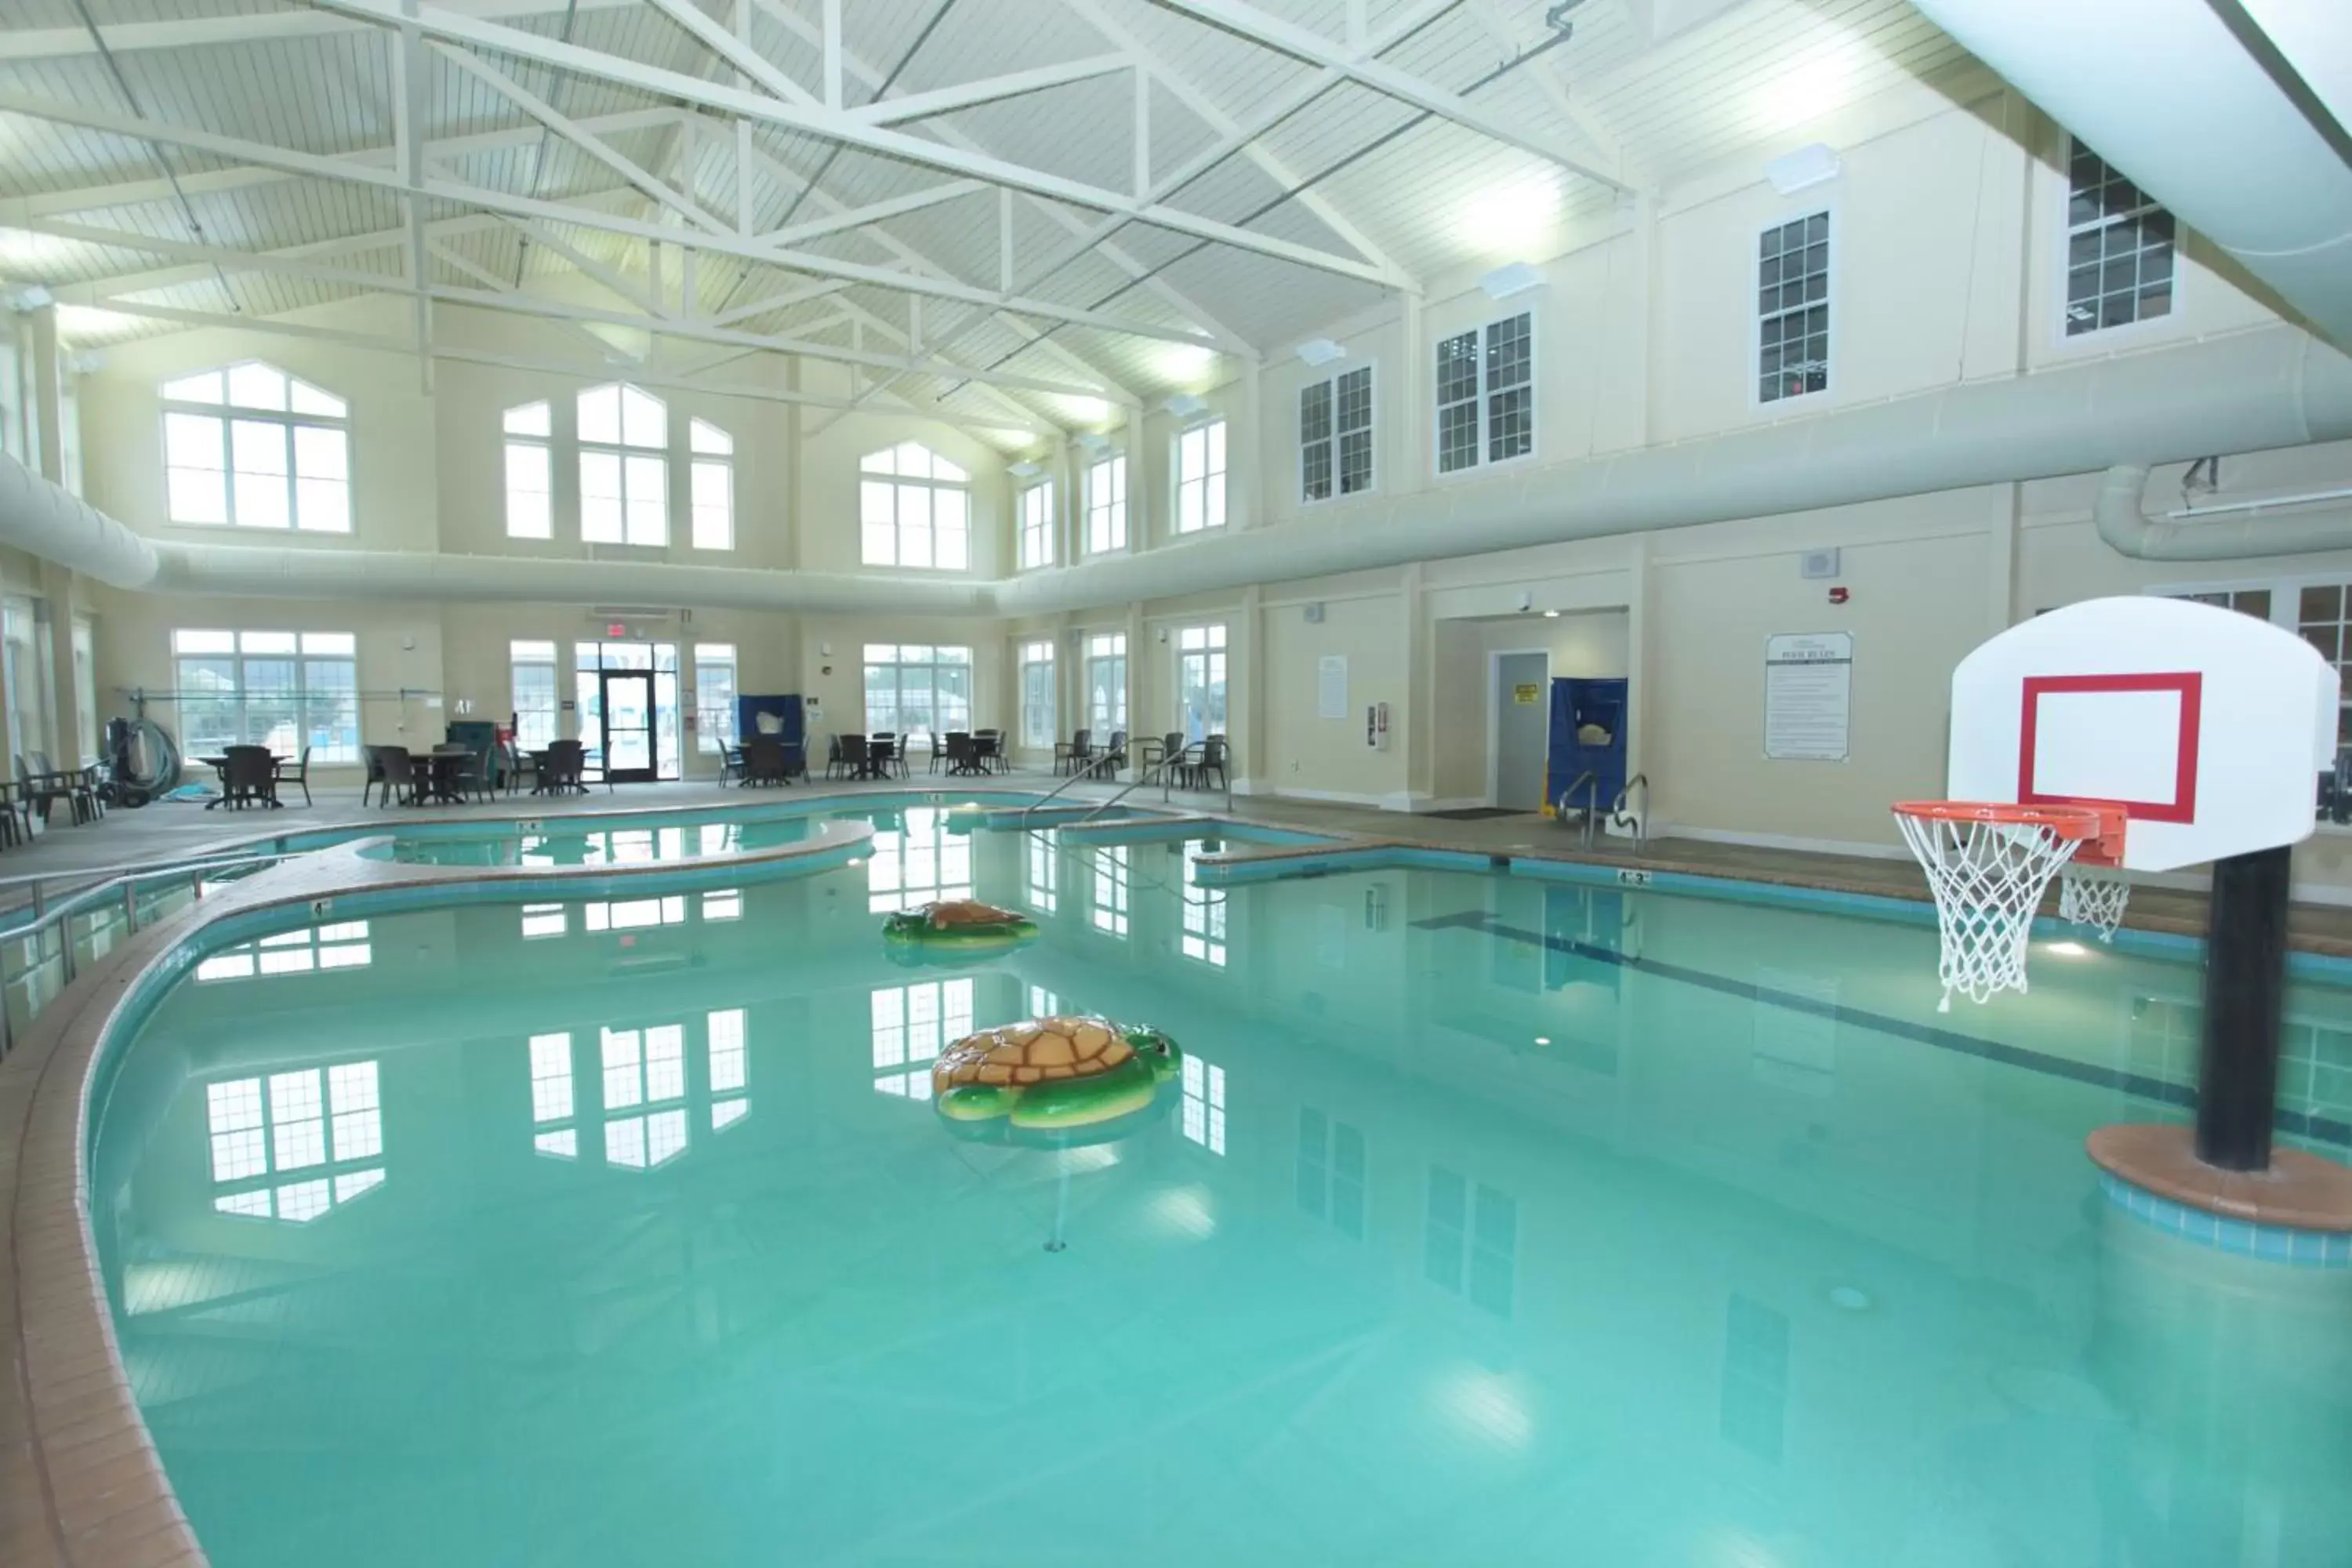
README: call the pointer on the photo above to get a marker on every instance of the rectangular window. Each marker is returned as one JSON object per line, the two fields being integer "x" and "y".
{"x": 1200, "y": 478}
{"x": 1106, "y": 684}
{"x": 1203, "y": 1121}
{"x": 1200, "y": 680}
{"x": 1111, "y": 901}
{"x": 323, "y": 1126}
{"x": 1792, "y": 309}
{"x": 1037, "y": 526}
{"x": 711, "y": 480}
{"x": 1204, "y": 914}
{"x": 917, "y": 862}
{"x": 1107, "y": 505}
{"x": 714, "y": 696}
{"x": 535, "y": 703}
{"x": 531, "y": 504}
{"x": 914, "y": 509}
{"x": 912, "y": 690}
{"x": 24, "y": 635}
{"x": 275, "y": 455}
{"x": 2119, "y": 248}
{"x": 1335, "y": 436}
{"x": 284, "y": 691}
{"x": 1037, "y": 715}
{"x": 1486, "y": 395}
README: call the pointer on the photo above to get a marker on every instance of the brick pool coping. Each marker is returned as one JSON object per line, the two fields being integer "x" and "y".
{"x": 82, "y": 1485}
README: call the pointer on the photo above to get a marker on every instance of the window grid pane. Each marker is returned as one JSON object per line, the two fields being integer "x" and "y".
{"x": 2119, "y": 248}
{"x": 922, "y": 519}
{"x": 1792, "y": 273}
{"x": 265, "y": 467}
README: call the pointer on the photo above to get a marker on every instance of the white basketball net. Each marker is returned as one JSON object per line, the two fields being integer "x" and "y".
{"x": 1987, "y": 878}
{"x": 2093, "y": 896}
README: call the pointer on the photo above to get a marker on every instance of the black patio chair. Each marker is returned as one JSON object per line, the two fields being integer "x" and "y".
{"x": 567, "y": 765}
{"x": 765, "y": 761}
{"x": 298, "y": 773}
{"x": 250, "y": 778}
{"x": 1202, "y": 762}
{"x": 398, "y": 774}
{"x": 1072, "y": 755}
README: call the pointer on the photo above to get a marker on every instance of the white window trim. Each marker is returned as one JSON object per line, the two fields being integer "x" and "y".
{"x": 1087, "y": 658}
{"x": 1225, "y": 478}
{"x": 507, "y": 439}
{"x": 1126, "y": 507}
{"x": 1298, "y": 477}
{"x": 1486, "y": 465}
{"x": 300, "y": 659}
{"x": 723, "y": 461}
{"x": 622, "y": 451}
{"x": 1052, "y": 666}
{"x": 898, "y": 481}
{"x": 226, "y": 413}
{"x": 2098, "y": 340}
{"x": 1021, "y": 525}
{"x": 1828, "y": 395}
{"x": 711, "y": 741}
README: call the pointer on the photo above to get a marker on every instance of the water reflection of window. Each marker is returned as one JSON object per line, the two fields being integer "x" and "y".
{"x": 327, "y": 1121}
{"x": 726, "y": 904}
{"x": 912, "y": 1024}
{"x": 343, "y": 945}
{"x": 1043, "y": 881}
{"x": 1204, "y": 1105}
{"x": 1755, "y": 1378}
{"x": 552, "y": 1100}
{"x": 632, "y": 914}
{"x": 730, "y": 1067}
{"x": 917, "y": 862}
{"x": 543, "y": 920}
{"x": 1204, "y": 913}
{"x": 1331, "y": 1172}
{"x": 1110, "y": 890}
{"x": 1043, "y": 1004}
{"x": 1471, "y": 1245}
{"x": 644, "y": 1068}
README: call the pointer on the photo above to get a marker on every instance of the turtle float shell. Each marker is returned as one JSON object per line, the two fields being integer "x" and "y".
{"x": 1039, "y": 1051}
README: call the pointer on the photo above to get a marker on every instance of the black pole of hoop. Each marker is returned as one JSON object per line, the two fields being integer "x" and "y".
{"x": 2246, "y": 998}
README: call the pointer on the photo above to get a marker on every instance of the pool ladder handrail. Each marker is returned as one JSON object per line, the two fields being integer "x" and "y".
{"x": 1159, "y": 765}
{"x": 1589, "y": 782}
{"x": 47, "y": 914}
{"x": 1639, "y": 822}
{"x": 1077, "y": 775}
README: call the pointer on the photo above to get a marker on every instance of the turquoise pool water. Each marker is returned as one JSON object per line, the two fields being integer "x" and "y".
{"x": 565, "y": 845}
{"x": 1493, "y": 1222}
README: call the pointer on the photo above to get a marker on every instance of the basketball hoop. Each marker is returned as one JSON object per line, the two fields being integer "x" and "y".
{"x": 2093, "y": 896}
{"x": 1989, "y": 865}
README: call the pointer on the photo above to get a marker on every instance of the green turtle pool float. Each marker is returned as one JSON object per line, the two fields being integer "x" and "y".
{"x": 1053, "y": 1074}
{"x": 956, "y": 926}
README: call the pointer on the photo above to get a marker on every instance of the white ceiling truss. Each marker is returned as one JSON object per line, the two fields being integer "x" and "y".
{"x": 1018, "y": 215}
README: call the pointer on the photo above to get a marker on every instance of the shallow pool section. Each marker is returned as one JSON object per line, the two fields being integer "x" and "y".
{"x": 1489, "y": 1221}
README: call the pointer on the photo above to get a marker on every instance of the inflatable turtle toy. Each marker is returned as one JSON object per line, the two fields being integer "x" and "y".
{"x": 954, "y": 927}
{"x": 1053, "y": 1076}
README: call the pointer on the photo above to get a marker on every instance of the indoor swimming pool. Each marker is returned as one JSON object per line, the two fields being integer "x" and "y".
{"x": 1488, "y": 1220}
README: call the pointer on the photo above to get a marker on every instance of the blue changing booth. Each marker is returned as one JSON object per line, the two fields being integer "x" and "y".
{"x": 1579, "y": 702}
{"x": 784, "y": 723}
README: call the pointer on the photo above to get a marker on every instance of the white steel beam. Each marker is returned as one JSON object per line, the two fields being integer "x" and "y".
{"x": 874, "y": 212}
{"x": 735, "y": 51}
{"x": 1263, "y": 28}
{"x": 899, "y": 108}
{"x": 726, "y": 244}
{"x": 203, "y": 32}
{"x": 838, "y": 125}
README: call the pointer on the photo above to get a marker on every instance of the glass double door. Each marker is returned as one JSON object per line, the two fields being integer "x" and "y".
{"x": 627, "y": 697}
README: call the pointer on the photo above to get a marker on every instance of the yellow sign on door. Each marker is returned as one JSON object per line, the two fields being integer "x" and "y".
{"x": 1527, "y": 693}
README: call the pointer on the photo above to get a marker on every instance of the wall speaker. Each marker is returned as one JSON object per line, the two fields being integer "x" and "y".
{"x": 1815, "y": 564}
{"x": 1315, "y": 614}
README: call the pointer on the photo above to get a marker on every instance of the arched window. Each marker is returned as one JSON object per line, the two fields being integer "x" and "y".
{"x": 252, "y": 446}
{"x": 713, "y": 489}
{"x": 624, "y": 467}
{"x": 914, "y": 509}
{"x": 531, "y": 479}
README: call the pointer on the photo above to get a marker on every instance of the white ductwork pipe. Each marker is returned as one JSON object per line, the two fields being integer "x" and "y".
{"x": 326, "y": 573}
{"x": 2125, "y": 524}
{"x": 2275, "y": 387}
{"x": 2165, "y": 91}
{"x": 42, "y": 519}
{"x": 2247, "y": 392}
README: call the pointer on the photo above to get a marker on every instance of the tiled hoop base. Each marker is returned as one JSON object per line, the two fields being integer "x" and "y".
{"x": 2299, "y": 1212}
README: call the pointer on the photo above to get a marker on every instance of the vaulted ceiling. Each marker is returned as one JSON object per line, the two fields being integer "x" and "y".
{"x": 1022, "y": 213}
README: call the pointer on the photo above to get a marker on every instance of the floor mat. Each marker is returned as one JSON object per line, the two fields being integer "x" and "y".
{"x": 1478, "y": 814}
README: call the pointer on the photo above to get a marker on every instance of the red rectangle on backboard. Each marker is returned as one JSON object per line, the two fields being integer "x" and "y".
{"x": 2190, "y": 685}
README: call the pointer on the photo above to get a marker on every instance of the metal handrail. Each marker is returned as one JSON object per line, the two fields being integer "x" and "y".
{"x": 1590, "y": 782}
{"x": 1639, "y": 822}
{"x": 1077, "y": 775}
{"x": 1159, "y": 765}
{"x": 46, "y": 916}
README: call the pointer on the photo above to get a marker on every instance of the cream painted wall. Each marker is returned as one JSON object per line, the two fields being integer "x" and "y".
{"x": 828, "y": 495}
{"x": 1586, "y": 642}
{"x": 1305, "y": 754}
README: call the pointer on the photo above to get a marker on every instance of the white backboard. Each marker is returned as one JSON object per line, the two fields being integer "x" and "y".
{"x": 2208, "y": 727}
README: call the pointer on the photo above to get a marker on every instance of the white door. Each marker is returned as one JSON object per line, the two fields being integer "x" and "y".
{"x": 1522, "y": 726}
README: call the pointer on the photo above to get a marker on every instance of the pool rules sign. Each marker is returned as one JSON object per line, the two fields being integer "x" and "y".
{"x": 1807, "y": 696}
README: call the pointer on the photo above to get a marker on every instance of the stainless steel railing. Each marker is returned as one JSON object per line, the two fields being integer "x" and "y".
{"x": 1639, "y": 821}
{"x": 57, "y": 915}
